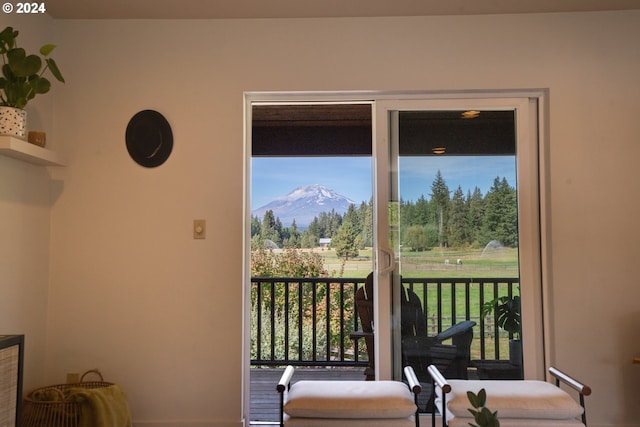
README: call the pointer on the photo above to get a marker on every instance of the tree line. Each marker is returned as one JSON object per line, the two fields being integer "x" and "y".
{"x": 445, "y": 219}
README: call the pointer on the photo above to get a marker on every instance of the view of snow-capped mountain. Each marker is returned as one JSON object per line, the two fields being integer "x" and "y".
{"x": 304, "y": 204}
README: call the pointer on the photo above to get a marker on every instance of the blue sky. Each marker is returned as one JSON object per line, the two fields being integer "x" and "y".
{"x": 351, "y": 176}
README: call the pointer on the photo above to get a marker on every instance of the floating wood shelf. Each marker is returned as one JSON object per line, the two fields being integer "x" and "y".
{"x": 19, "y": 149}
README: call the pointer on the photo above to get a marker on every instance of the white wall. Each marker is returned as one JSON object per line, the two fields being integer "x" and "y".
{"x": 26, "y": 198}
{"x": 133, "y": 294}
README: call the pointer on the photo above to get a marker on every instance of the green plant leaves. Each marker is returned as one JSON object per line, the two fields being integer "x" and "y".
{"x": 481, "y": 414}
{"x": 23, "y": 65}
{"x": 7, "y": 40}
{"x": 507, "y": 312}
{"x": 40, "y": 85}
{"x": 477, "y": 400}
{"x": 53, "y": 67}
{"x": 47, "y": 49}
{"x": 485, "y": 418}
{"x": 22, "y": 74}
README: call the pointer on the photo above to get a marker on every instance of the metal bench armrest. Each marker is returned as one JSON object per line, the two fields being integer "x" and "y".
{"x": 582, "y": 389}
{"x": 284, "y": 384}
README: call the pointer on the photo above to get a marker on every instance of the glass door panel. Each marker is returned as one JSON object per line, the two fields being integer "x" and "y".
{"x": 310, "y": 243}
{"x": 456, "y": 227}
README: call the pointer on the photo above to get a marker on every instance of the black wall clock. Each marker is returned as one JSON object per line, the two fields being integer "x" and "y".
{"x": 149, "y": 138}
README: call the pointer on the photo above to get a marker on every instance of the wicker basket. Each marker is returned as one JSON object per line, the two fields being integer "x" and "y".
{"x": 49, "y": 407}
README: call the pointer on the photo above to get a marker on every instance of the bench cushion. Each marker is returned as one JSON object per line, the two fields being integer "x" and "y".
{"x": 351, "y": 422}
{"x": 350, "y": 399}
{"x": 519, "y": 422}
{"x": 528, "y": 399}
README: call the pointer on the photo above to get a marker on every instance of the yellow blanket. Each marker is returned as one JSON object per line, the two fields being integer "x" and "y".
{"x": 102, "y": 407}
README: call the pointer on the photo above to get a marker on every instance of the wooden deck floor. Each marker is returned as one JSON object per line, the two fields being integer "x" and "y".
{"x": 265, "y": 404}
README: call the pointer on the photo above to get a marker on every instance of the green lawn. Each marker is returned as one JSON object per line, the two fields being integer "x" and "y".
{"x": 433, "y": 263}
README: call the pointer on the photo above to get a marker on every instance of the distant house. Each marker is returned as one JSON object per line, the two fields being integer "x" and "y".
{"x": 324, "y": 242}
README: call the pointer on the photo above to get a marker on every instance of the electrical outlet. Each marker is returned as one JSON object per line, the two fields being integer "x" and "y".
{"x": 199, "y": 229}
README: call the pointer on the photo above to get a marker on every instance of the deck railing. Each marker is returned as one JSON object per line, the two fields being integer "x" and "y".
{"x": 308, "y": 321}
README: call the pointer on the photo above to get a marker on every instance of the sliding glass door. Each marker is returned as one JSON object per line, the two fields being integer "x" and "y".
{"x": 450, "y": 227}
{"x": 458, "y": 235}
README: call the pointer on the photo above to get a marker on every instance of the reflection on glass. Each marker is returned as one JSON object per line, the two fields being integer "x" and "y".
{"x": 455, "y": 232}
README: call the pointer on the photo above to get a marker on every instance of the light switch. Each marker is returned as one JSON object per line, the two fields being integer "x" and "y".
{"x": 199, "y": 229}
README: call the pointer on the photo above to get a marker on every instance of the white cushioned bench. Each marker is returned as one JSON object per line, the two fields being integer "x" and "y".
{"x": 519, "y": 403}
{"x": 348, "y": 403}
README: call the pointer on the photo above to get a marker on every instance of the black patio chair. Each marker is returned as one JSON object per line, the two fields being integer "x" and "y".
{"x": 420, "y": 350}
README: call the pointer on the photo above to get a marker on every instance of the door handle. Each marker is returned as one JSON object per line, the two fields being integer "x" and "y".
{"x": 389, "y": 257}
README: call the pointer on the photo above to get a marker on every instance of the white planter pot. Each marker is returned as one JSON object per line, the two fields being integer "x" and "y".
{"x": 13, "y": 121}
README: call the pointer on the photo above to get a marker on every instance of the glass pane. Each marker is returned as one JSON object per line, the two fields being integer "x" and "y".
{"x": 311, "y": 245}
{"x": 456, "y": 242}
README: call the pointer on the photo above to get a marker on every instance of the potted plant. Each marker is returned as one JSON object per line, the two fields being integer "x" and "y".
{"x": 506, "y": 311}
{"x": 481, "y": 414}
{"x": 23, "y": 77}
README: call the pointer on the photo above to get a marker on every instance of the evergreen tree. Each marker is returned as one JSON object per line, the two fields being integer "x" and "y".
{"x": 256, "y": 242}
{"x": 328, "y": 223}
{"x": 406, "y": 212}
{"x": 353, "y": 217}
{"x": 510, "y": 200}
{"x": 285, "y": 235}
{"x": 334, "y": 223}
{"x": 293, "y": 236}
{"x": 269, "y": 230}
{"x": 420, "y": 212}
{"x": 366, "y": 215}
{"x": 255, "y": 225}
{"x": 475, "y": 203}
{"x": 500, "y": 214}
{"x": 346, "y": 241}
{"x": 458, "y": 220}
{"x": 279, "y": 231}
{"x": 309, "y": 240}
{"x": 314, "y": 227}
{"x": 440, "y": 200}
